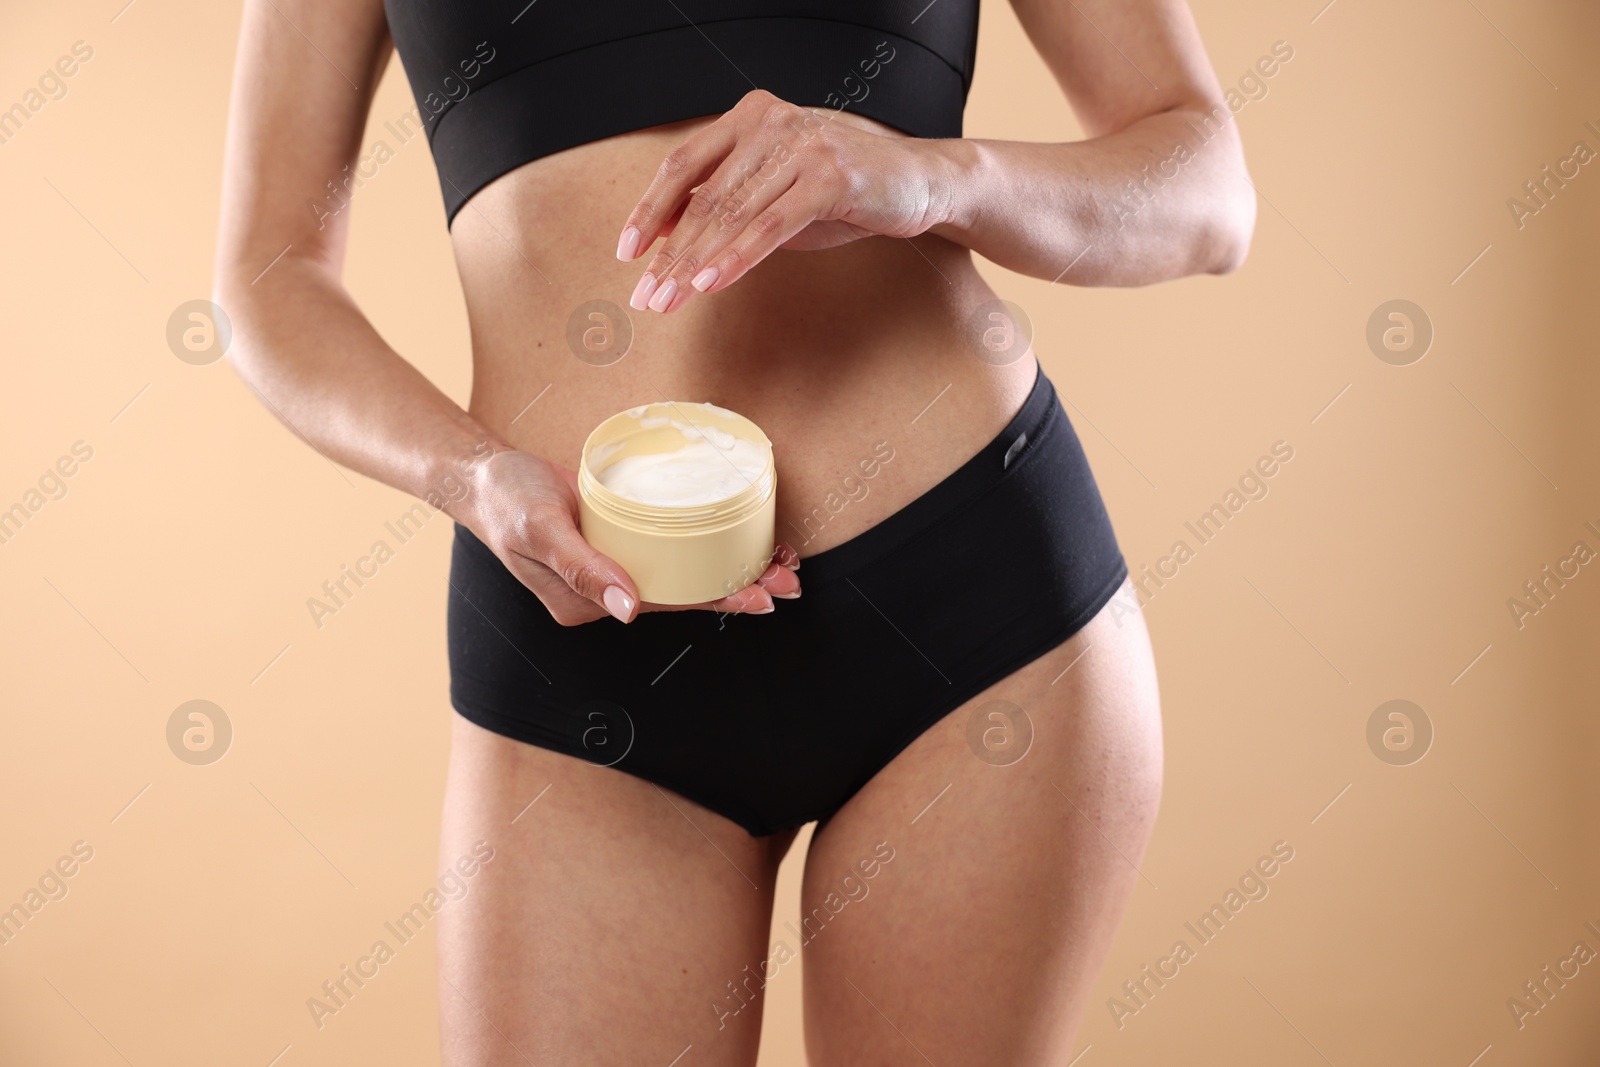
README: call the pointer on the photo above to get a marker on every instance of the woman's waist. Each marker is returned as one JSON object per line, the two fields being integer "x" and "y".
{"x": 854, "y": 438}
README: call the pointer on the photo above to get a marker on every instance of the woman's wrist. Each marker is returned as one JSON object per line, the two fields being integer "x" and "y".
{"x": 457, "y": 476}
{"x": 960, "y": 173}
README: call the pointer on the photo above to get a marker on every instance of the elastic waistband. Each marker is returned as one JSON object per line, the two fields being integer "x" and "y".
{"x": 1025, "y": 431}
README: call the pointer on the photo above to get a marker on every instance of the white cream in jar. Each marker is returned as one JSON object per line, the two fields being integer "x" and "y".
{"x": 711, "y": 465}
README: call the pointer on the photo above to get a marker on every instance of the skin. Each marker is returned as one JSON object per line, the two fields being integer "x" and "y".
{"x": 837, "y": 318}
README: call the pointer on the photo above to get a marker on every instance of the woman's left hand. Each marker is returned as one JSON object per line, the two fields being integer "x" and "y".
{"x": 773, "y": 175}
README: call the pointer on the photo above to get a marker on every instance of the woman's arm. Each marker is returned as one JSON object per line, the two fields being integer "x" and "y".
{"x": 1159, "y": 189}
{"x": 304, "y": 78}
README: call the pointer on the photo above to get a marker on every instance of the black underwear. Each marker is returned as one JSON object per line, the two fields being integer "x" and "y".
{"x": 777, "y": 720}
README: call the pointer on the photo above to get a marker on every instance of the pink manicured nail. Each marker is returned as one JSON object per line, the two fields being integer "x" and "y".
{"x": 664, "y": 295}
{"x": 642, "y": 291}
{"x": 785, "y": 596}
{"x": 705, "y": 279}
{"x": 628, "y": 244}
{"x": 617, "y": 602}
{"x": 681, "y": 299}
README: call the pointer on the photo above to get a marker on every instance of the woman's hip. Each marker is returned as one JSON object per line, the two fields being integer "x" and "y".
{"x": 777, "y": 719}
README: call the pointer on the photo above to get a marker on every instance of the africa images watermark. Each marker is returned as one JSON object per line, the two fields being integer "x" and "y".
{"x": 856, "y": 90}
{"x": 1537, "y": 592}
{"x": 341, "y": 589}
{"x": 51, "y": 86}
{"x": 51, "y": 485}
{"x": 1542, "y": 189}
{"x": 852, "y": 487}
{"x": 1252, "y": 485}
{"x": 451, "y": 886}
{"x": 50, "y": 886}
{"x": 1252, "y": 86}
{"x": 752, "y": 982}
{"x": 1252, "y": 886}
{"x": 1139, "y": 193}
{"x": 338, "y": 591}
{"x": 1537, "y": 992}
{"x": 403, "y": 128}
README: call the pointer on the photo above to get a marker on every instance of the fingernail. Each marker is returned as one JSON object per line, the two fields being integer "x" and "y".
{"x": 705, "y": 279}
{"x": 664, "y": 295}
{"x": 790, "y": 558}
{"x": 618, "y": 602}
{"x": 770, "y": 572}
{"x": 768, "y": 610}
{"x": 628, "y": 245}
{"x": 786, "y": 596}
{"x": 642, "y": 291}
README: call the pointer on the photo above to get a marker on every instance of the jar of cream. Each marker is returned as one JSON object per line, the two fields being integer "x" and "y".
{"x": 683, "y": 496}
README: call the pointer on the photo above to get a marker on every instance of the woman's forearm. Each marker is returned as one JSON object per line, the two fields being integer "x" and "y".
{"x": 308, "y": 351}
{"x": 1165, "y": 197}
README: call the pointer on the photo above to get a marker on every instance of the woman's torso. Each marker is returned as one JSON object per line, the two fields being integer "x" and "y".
{"x": 839, "y": 355}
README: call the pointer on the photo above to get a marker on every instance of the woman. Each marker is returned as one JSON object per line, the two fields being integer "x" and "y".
{"x": 784, "y": 199}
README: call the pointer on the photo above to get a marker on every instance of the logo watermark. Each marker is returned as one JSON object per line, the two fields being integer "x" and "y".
{"x": 599, "y": 332}
{"x": 1399, "y": 332}
{"x": 1399, "y": 733}
{"x": 999, "y": 332}
{"x": 999, "y": 733}
{"x": 199, "y": 732}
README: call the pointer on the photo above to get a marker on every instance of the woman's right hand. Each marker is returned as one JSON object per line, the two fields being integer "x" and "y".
{"x": 526, "y": 510}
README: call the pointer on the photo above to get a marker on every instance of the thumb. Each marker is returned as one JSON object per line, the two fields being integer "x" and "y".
{"x": 590, "y": 574}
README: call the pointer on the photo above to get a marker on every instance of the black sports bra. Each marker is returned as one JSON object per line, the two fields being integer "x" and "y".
{"x": 501, "y": 84}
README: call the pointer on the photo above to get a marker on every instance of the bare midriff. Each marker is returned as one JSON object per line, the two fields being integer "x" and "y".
{"x": 831, "y": 353}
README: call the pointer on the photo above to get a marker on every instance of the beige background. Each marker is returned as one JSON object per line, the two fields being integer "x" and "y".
{"x": 178, "y": 563}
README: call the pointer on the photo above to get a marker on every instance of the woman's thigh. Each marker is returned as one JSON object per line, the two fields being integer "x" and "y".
{"x": 608, "y": 922}
{"x": 979, "y": 940}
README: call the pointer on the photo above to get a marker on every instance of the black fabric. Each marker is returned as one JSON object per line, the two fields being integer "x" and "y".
{"x": 776, "y": 720}
{"x": 561, "y": 73}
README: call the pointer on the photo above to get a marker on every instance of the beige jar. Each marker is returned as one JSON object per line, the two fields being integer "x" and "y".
{"x": 678, "y": 554}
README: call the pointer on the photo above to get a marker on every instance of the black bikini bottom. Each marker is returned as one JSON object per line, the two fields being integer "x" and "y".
{"x": 776, "y": 720}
